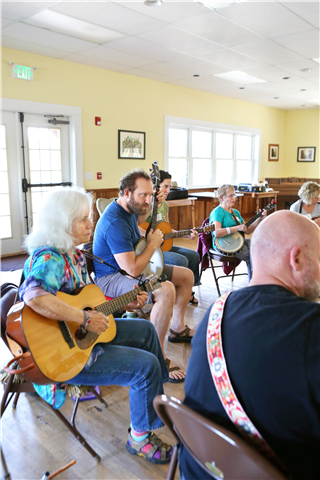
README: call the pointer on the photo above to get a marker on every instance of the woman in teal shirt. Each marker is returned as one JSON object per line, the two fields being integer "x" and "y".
{"x": 228, "y": 220}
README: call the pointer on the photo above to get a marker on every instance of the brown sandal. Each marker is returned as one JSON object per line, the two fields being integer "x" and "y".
{"x": 180, "y": 337}
{"x": 172, "y": 369}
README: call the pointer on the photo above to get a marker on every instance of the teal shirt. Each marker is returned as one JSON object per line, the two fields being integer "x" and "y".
{"x": 226, "y": 219}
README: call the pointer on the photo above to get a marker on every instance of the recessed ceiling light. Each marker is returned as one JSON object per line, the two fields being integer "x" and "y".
{"x": 240, "y": 77}
{"x": 56, "y": 22}
{"x": 276, "y": 98}
{"x": 153, "y": 3}
{"x": 302, "y": 105}
{"x": 285, "y": 78}
{"x": 214, "y": 5}
{"x": 306, "y": 70}
{"x": 241, "y": 88}
{"x": 303, "y": 89}
{"x": 316, "y": 59}
{"x": 196, "y": 75}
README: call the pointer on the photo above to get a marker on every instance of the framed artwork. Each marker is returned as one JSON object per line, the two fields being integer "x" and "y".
{"x": 273, "y": 153}
{"x": 306, "y": 154}
{"x": 131, "y": 145}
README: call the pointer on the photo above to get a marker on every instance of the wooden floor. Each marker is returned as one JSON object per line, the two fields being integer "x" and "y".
{"x": 35, "y": 441}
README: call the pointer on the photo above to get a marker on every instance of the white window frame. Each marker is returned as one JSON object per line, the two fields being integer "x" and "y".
{"x": 186, "y": 123}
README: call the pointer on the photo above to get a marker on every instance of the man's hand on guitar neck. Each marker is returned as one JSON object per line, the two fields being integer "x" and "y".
{"x": 193, "y": 235}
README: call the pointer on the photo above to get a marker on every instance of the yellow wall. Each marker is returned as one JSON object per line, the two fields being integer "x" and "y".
{"x": 133, "y": 103}
{"x": 303, "y": 130}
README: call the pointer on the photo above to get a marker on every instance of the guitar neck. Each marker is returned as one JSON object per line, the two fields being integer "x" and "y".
{"x": 253, "y": 219}
{"x": 185, "y": 233}
{"x": 111, "y": 306}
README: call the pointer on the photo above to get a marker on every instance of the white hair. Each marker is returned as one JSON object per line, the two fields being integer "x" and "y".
{"x": 53, "y": 223}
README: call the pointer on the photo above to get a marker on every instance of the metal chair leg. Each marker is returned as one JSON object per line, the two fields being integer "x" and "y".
{"x": 72, "y": 428}
{"x": 98, "y": 396}
{"x": 174, "y": 462}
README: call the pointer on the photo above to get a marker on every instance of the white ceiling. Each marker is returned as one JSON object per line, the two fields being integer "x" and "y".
{"x": 172, "y": 43}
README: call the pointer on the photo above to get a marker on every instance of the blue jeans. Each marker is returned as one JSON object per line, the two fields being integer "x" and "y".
{"x": 184, "y": 257}
{"x": 133, "y": 359}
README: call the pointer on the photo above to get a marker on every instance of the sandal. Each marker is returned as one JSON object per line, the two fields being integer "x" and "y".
{"x": 180, "y": 337}
{"x": 158, "y": 452}
{"x": 172, "y": 369}
{"x": 193, "y": 300}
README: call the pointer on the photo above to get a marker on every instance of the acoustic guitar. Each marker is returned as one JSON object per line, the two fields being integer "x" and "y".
{"x": 156, "y": 262}
{"x": 231, "y": 244}
{"x": 168, "y": 234}
{"x": 59, "y": 350}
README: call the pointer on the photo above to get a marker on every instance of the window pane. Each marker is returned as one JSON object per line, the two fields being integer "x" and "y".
{"x": 45, "y": 177}
{"x": 5, "y": 227}
{"x": 243, "y": 146}
{"x": 54, "y": 139}
{"x": 56, "y": 160}
{"x": 33, "y": 137}
{"x": 224, "y": 145}
{"x": 202, "y": 172}
{"x": 44, "y": 138}
{"x": 244, "y": 171}
{"x": 4, "y": 205}
{"x": 35, "y": 177}
{"x": 178, "y": 142}
{"x": 2, "y": 136}
{"x": 201, "y": 144}
{"x": 45, "y": 159}
{"x": 178, "y": 168}
{"x": 34, "y": 160}
{"x": 224, "y": 171}
{"x": 56, "y": 177}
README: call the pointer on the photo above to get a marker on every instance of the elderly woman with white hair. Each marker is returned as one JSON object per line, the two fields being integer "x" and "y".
{"x": 309, "y": 203}
{"x": 133, "y": 358}
{"x": 227, "y": 220}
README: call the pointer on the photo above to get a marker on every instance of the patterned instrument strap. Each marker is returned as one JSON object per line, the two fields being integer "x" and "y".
{"x": 221, "y": 380}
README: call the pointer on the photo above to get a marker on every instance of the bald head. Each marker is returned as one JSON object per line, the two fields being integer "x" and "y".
{"x": 285, "y": 250}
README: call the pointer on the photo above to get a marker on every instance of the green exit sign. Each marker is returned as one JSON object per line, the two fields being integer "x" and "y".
{"x": 22, "y": 72}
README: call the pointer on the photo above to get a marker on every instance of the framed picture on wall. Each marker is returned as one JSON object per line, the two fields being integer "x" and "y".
{"x": 131, "y": 145}
{"x": 306, "y": 154}
{"x": 273, "y": 153}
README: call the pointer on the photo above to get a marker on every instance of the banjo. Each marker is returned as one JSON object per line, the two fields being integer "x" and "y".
{"x": 232, "y": 243}
{"x": 156, "y": 262}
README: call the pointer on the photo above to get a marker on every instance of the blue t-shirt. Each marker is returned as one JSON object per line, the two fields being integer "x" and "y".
{"x": 226, "y": 219}
{"x": 116, "y": 232}
{"x": 272, "y": 349}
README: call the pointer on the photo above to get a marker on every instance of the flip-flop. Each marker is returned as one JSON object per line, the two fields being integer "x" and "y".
{"x": 172, "y": 369}
{"x": 180, "y": 337}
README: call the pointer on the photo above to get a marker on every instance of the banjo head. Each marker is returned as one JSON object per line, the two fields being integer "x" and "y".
{"x": 156, "y": 262}
{"x": 230, "y": 244}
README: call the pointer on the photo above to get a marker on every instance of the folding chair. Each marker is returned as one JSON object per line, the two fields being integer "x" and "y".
{"x": 221, "y": 453}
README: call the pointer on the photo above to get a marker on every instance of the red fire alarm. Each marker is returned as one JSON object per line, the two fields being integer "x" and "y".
{"x": 99, "y": 175}
{"x": 97, "y": 121}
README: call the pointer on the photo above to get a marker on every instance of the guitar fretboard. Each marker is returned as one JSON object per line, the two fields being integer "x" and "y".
{"x": 185, "y": 233}
{"x": 108, "y": 308}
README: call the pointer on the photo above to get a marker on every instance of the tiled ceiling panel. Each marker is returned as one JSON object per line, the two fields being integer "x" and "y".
{"x": 108, "y": 15}
{"x": 181, "y": 41}
{"x": 267, "y": 39}
{"x": 268, "y": 19}
{"x": 218, "y": 29}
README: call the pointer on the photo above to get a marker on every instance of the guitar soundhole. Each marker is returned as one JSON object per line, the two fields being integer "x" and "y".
{"x": 84, "y": 339}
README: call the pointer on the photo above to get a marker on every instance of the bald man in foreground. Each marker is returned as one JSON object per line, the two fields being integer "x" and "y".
{"x": 271, "y": 341}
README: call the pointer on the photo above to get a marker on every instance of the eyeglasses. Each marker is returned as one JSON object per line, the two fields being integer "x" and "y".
{"x": 231, "y": 196}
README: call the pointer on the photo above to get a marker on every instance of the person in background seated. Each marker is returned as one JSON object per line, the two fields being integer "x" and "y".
{"x": 182, "y": 257}
{"x": 115, "y": 238}
{"x": 133, "y": 358}
{"x": 228, "y": 220}
{"x": 270, "y": 336}
{"x": 309, "y": 204}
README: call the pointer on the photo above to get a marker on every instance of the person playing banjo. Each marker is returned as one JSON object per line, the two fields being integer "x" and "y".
{"x": 228, "y": 222}
{"x": 115, "y": 238}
